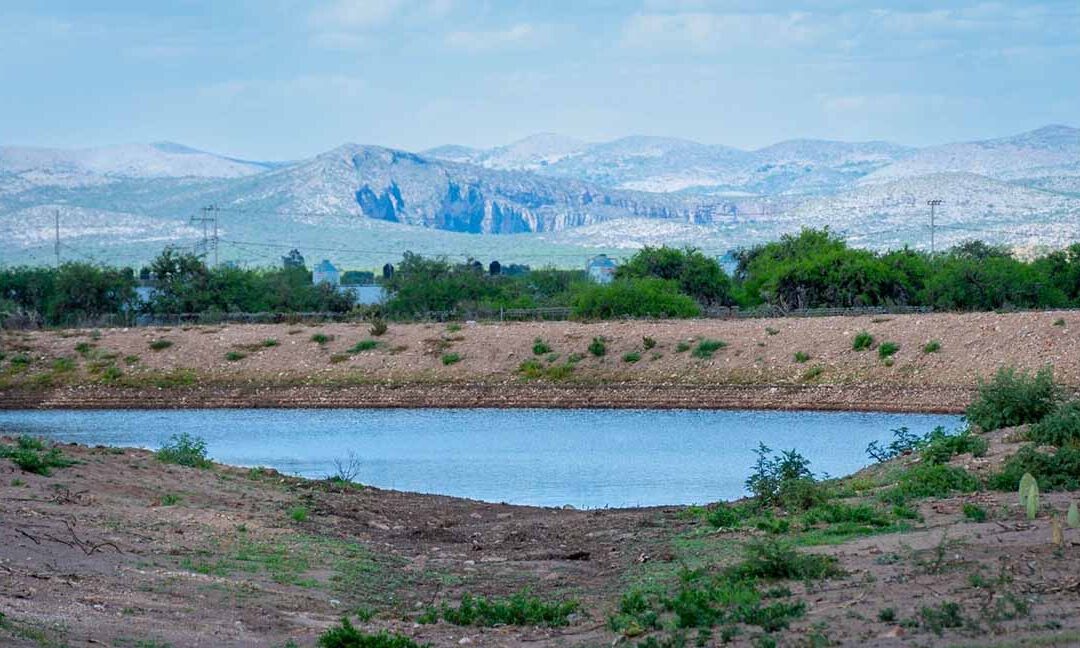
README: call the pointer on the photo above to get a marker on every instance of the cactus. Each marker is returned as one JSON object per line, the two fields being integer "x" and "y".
{"x": 1026, "y": 482}
{"x": 1032, "y": 501}
{"x": 1073, "y": 517}
{"x": 1057, "y": 536}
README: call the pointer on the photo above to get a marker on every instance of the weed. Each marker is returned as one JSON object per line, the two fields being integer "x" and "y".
{"x": 706, "y": 348}
{"x": 338, "y": 358}
{"x": 598, "y": 347}
{"x": 1059, "y": 321}
{"x": 364, "y": 345}
{"x": 1060, "y": 427}
{"x": 451, "y": 358}
{"x": 378, "y": 327}
{"x": 519, "y": 609}
{"x": 778, "y": 559}
{"x": 801, "y": 357}
{"x": 269, "y": 342}
{"x": 928, "y": 480}
{"x": 321, "y": 338}
{"x": 887, "y": 349}
{"x": 949, "y": 614}
{"x": 30, "y": 455}
{"x": 131, "y": 360}
{"x": 974, "y": 513}
{"x": 169, "y": 499}
{"x": 540, "y": 347}
{"x": 346, "y": 636}
{"x": 648, "y": 342}
{"x": 771, "y": 331}
{"x": 783, "y": 480}
{"x": 84, "y": 348}
{"x": 940, "y": 446}
{"x": 112, "y": 373}
{"x": 298, "y": 514}
{"x": 682, "y": 347}
{"x": 184, "y": 450}
{"x": 1013, "y": 398}
{"x": 886, "y": 615}
{"x": 63, "y": 365}
{"x": 862, "y": 341}
{"x": 235, "y": 356}
{"x": 1057, "y": 471}
{"x": 159, "y": 345}
{"x": 813, "y": 372}
{"x": 631, "y": 357}
{"x": 933, "y": 346}
{"x": 533, "y": 369}
{"x": 453, "y": 327}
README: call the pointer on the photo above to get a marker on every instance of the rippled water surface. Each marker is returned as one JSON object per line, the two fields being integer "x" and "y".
{"x": 587, "y": 458}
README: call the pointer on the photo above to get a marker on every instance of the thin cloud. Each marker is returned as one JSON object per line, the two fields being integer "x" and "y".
{"x": 482, "y": 41}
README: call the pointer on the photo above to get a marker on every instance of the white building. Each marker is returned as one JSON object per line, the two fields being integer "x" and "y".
{"x": 325, "y": 272}
{"x": 601, "y": 268}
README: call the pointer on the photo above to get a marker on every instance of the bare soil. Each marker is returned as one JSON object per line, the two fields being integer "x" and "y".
{"x": 757, "y": 368}
{"x": 123, "y": 550}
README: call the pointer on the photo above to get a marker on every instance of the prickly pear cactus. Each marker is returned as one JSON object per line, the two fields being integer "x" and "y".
{"x": 1073, "y": 517}
{"x": 1026, "y": 483}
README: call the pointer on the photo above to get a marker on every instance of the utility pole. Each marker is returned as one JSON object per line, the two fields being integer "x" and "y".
{"x": 933, "y": 204}
{"x": 209, "y": 215}
{"x": 56, "y": 245}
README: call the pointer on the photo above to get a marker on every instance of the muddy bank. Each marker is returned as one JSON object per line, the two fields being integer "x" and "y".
{"x": 878, "y": 398}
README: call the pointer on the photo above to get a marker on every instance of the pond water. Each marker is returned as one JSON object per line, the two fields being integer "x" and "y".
{"x": 586, "y": 458}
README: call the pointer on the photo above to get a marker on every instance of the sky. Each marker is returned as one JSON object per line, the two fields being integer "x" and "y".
{"x": 287, "y": 79}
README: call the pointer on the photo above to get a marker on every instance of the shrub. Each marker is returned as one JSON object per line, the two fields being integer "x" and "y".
{"x": 112, "y": 373}
{"x": 801, "y": 356}
{"x": 30, "y": 455}
{"x": 930, "y": 480}
{"x": 533, "y": 369}
{"x": 724, "y": 517}
{"x": 298, "y": 514}
{"x": 783, "y": 480}
{"x": 631, "y": 357}
{"x": 321, "y": 338}
{"x": 682, "y": 347}
{"x": 131, "y": 359}
{"x": 63, "y": 365}
{"x": 346, "y": 636}
{"x": 234, "y": 356}
{"x": 1013, "y": 398}
{"x": 632, "y": 298}
{"x": 84, "y": 348}
{"x": 933, "y": 346}
{"x": 184, "y": 450}
{"x": 159, "y": 345}
{"x": 269, "y": 342}
{"x": 453, "y": 327}
{"x": 974, "y": 513}
{"x": 520, "y": 609}
{"x": 338, "y": 358}
{"x": 170, "y": 499}
{"x": 904, "y": 441}
{"x": 1058, "y": 471}
{"x": 813, "y": 372}
{"x": 887, "y": 349}
{"x": 771, "y": 331}
{"x": 863, "y": 341}
{"x": 378, "y": 327}
{"x": 1058, "y": 428}
{"x": 706, "y": 348}
{"x": 779, "y": 559}
{"x": 648, "y": 342}
{"x": 939, "y": 446}
{"x": 451, "y": 358}
{"x": 886, "y": 615}
{"x": 540, "y": 347}
{"x": 363, "y": 345}
{"x": 598, "y": 347}
{"x": 947, "y": 615}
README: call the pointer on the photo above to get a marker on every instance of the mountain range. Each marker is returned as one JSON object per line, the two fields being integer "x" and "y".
{"x": 550, "y": 198}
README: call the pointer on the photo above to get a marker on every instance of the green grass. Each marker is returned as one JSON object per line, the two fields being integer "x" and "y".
{"x": 682, "y": 347}
{"x": 131, "y": 360}
{"x": 1013, "y": 398}
{"x": 801, "y": 357}
{"x": 974, "y": 513}
{"x": 453, "y": 327}
{"x": 346, "y": 636}
{"x": 813, "y": 372}
{"x": 84, "y": 348}
{"x": 631, "y": 357}
{"x": 451, "y": 358}
{"x": 32, "y": 455}
{"x": 862, "y": 341}
{"x": 928, "y": 480}
{"x": 63, "y": 365}
{"x": 160, "y": 345}
{"x": 540, "y": 347}
{"x": 933, "y": 346}
{"x": 234, "y": 356}
{"x": 887, "y": 349}
{"x": 269, "y": 342}
{"x": 520, "y": 609}
{"x": 184, "y": 450}
{"x": 170, "y": 499}
{"x": 321, "y": 338}
{"x": 298, "y": 514}
{"x": 364, "y": 345}
{"x": 533, "y": 369}
{"x": 598, "y": 347}
{"x": 706, "y": 348}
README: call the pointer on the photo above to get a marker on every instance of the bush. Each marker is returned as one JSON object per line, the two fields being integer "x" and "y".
{"x": 725, "y": 517}
{"x": 540, "y": 347}
{"x": 887, "y": 349}
{"x": 779, "y": 559}
{"x": 233, "y": 356}
{"x": 598, "y": 347}
{"x": 1013, "y": 398}
{"x": 346, "y": 636}
{"x": 632, "y": 298}
{"x": 929, "y": 480}
{"x": 518, "y": 610}
{"x": 1058, "y": 471}
{"x": 940, "y": 446}
{"x": 933, "y": 346}
{"x": 783, "y": 480}
{"x": 631, "y": 357}
{"x": 904, "y": 441}
{"x": 31, "y": 456}
{"x": 184, "y": 450}
{"x": 863, "y": 341}
{"x": 63, "y": 365}
{"x": 159, "y": 345}
{"x": 706, "y": 348}
{"x": 321, "y": 338}
{"x": 682, "y": 347}
{"x": 974, "y": 513}
{"x": 269, "y": 342}
{"x": 363, "y": 345}
{"x": 451, "y": 358}
{"x": 298, "y": 514}
{"x": 378, "y": 327}
{"x": 1060, "y": 427}
{"x": 801, "y": 356}
{"x": 533, "y": 369}
{"x": 648, "y": 342}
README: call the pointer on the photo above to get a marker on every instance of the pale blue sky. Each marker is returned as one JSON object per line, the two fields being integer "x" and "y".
{"x": 282, "y": 79}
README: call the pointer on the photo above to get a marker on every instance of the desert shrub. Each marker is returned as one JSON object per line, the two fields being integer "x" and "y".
{"x": 269, "y": 342}
{"x": 533, "y": 369}
{"x": 234, "y": 356}
{"x": 1060, "y": 427}
{"x": 931, "y": 480}
{"x": 363, "y": 345}
{"x": 346, "y": 636}
{"x": 598, "y": 347}
{"x": 632, "y": 298}
{"x": 974, "y": 513}
{"x": 184, "y": 450}
{"x": 706, "y": 348}
{"x": 940, "y": 446}
{"x": 682, "y": 347}
{"x": 298, "y": 514}
{"x": 801, "y": 356}
{"x": 933, "y": 346}
{"x": 947, "y": 615}
{"x": 521, "y": 609}
{"x": 778, "y": 559}
{"x": 1013, "y": 398}
{"x": 631, "y": 357}
{"x": 321, "y": 338}
{"x": 32, "y": 455}
{"x": 1057, "y": 471}
{"x": 887, "y": 349}
{"x": 862, "y": 341}
{"x": 451, "y": 358}
{"x": 159, "y": 345}
{"x": 540, "y": 347}
{"x": 648, "y": 342}
{"x": 378, "y": 327}
{"x": 783, "y": 480}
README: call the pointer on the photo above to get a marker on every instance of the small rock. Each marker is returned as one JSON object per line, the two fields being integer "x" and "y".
{"x": 464, "y": 641}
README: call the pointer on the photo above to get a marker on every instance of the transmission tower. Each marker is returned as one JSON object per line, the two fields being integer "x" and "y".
{"x": 208, "y": 218}
{"x": 936, "y": 202}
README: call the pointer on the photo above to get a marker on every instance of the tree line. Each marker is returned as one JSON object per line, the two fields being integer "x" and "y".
{"x": 810, "y": 269}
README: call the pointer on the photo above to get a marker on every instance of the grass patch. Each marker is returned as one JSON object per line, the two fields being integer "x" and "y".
{"x": 298, "y": 514}
{"x": 862, "y": 341}
{"x": 520, "y": 609}
{"x": 1057, "y": 471}
{"x": 631, "y": 357}
{"x": 346, "y": 636}
{"x": 682, "y": 347}
{"x": 801, "y": 357}
{"x": 887, "y": 349}
{"x": 364, "y": 345}
{"x": 160, "y": 345}
{"x": 451, "y": 358}
{"x": 533, "y": 369}
{"x": 169, "y": 499}
{"x": 321, "y": 338}
{"x": 706, "y": 348}
{"x": 974, "y": 513}
{"x": 184, "y": 450}
{"x": 32, "y": 455}
{"x": 131, "y": 360}
{"x": 927, "y": 480}
{"x": 813, "y": 372}
{"x": 598, "y": 347}
{"x": 780, "y": 560}
{"x": 269, "y": 342}
{"x": 933, "y": 346}
{"x": 540, "y": 347}
{"x": 63, "y": 365}
{"x": 235, "y": 356}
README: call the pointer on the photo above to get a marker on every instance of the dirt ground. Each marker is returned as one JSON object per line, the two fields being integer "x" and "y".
{"x": 123, "y": 550}
{"x": 408, "y": 366}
